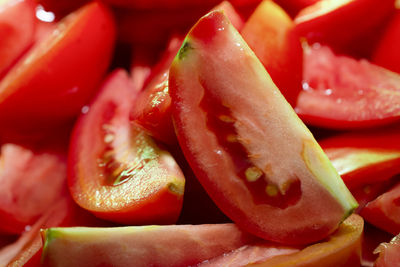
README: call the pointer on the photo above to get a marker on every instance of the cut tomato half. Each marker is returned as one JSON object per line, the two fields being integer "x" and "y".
{"x": 270, "y": 34}
{"x": 339, "y": 22}
{"x": 115, "y": 170}
{"x": 340, "y": 92}
{"x": 247, "y": 147}
{"x": 52, "y": 82}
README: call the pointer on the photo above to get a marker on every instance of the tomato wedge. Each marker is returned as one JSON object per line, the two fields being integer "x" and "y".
{"x": 115, "y": 170}
{"x": 52, "y": 82}
{"x": 16, "y": 34}
{"x": 245, "y": 144}
{"x": 31, "y": 181}
{"x": 141, "y": 246}
{"x": 270, "y": 34}
{"x": 339, "y": 22}
{"x": 343, "y": 248}
{"x": 340, "y": 92}
{"x": 366, "y": 157}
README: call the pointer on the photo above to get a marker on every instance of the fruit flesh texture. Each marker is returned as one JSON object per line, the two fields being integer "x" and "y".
{"x": 208, "y": 45}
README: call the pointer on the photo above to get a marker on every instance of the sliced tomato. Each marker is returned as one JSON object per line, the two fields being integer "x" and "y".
{"x": 342, "y": 248}
{"x": 152, "y": 109}
{"x": 366, "y": 157}
{"x": 340, "y": 92}
{"x": 246, "y": 145}
{"x": 52, "y": 82}
{"x": 115, "y": 170}
{"x": 384, "y": 211}
{"x": 270, "y": 34}
{"x": 387, "y": 53}
{"x": 389, "y": 253}
{"x": 30, "y": 183}
{"x": 339, "y": 22}
{"x": 16, "y": 34}
{"x": 142, "y": 246}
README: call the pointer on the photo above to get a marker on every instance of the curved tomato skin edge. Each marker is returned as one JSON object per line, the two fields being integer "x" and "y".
{"x": 375, "y": 216}
{"x": 342, "y": 248}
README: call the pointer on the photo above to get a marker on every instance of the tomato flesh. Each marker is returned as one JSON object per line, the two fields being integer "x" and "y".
{"x": 340, "y": 92}
{"x": 229, "y": 118}
{"x": 389, "y": 253}
{"x": 111, "y": 158}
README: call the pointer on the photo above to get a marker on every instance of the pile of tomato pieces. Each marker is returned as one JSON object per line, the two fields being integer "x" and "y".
{"x": 95, "y": 130}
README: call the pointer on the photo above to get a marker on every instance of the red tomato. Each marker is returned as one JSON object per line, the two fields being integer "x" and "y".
{"x": 111, "y": 159}
{"x": 52, "y": 82}
{"x": 384, "y": 211}
{"x": 339, "y": 22}
{"x": 389, "y": 253}
{"x": 269, "y": 33}
{"x": 387, "y": 53}
{"x": 141, "y": 246}
{"x": 152, "y": 109}
{"x": 340, "y": 92}
{"x": 366, "y": 157}
{"x": 342, "y": 248}
{"x": 245, "y": 144}
{"x": 16, "y": 34}
{"x": 22, "y": 201}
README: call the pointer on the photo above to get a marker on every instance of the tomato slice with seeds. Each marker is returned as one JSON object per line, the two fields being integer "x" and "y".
{"x": 250, "y": 151}
{"x": 340, "y": 92}
{"x": 115, "y": 170}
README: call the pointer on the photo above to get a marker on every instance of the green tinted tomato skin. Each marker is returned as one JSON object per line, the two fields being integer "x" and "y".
{"x": 220, "y": 125}
{"x": 152, "y": 245}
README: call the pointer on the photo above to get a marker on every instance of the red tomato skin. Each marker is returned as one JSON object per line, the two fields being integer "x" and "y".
{"x": 342, "y": 93}
{"x": 387, "y": 53}
{"x": 16, "y": 35}
{"x": 68, "y": 64}
{"x": 62, "y": 8}
{"x": 270, "y": 34}
{"x": 342, "y": 25}
{"x": 157, "y": 197}
{"x": 343, "y": 150}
